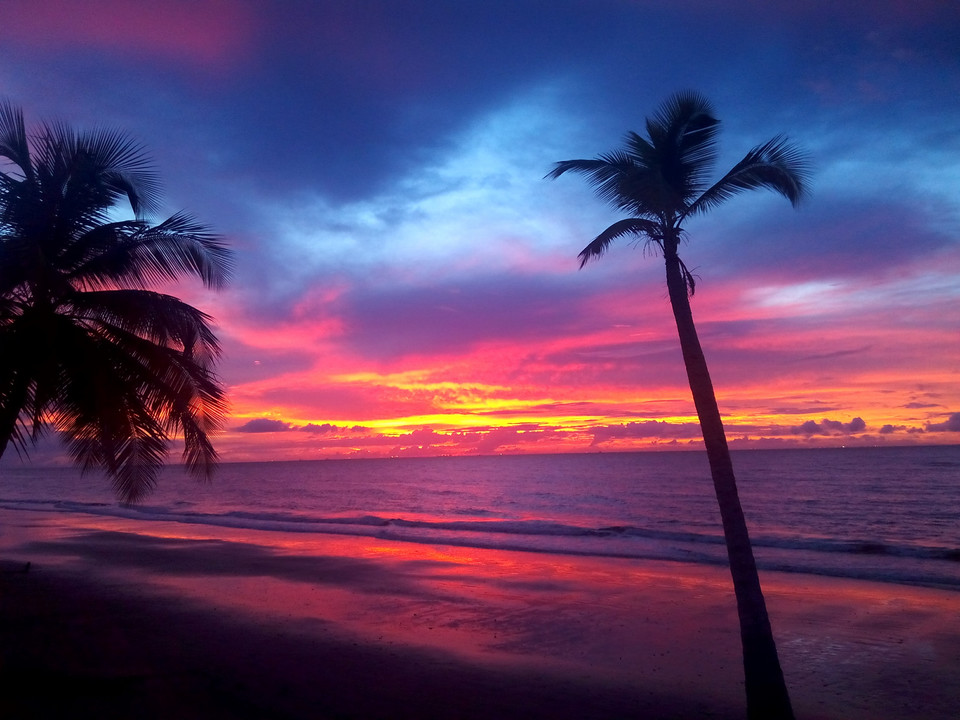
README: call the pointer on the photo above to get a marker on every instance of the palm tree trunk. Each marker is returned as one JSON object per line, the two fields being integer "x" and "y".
{"x": 767, "y": 696}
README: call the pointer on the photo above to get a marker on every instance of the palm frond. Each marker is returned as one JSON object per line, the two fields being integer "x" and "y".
{"x": 16, "y": 402}
{"x": 151, "y": 255}
{"x": 121, "y": 398}
{"x": 688, "y": 278}
{"x": 156, "y": 317}
{"x": 175, "y": 381}
{"x": 618, "y": 179}
{"x": 126, "y": 168}
{"x": 14, "y": 266}
{"x": 600, "y": 170}
{"x": 13, "y": 138}
{"x": 683, "y": 133}
{"x": 199, "y": 455}
{"x": 642, "y": 151}
{"x": 105, "y": 160}
{"x": 90, "y": 259}
{"x": 25, "y": 370}
{"x": 95, "y": 402}
{"x": 131, "y": 454}
{"x": 776, "y": 165}
{"x": 68, "y": 194}
{"x": 629, "y": 226}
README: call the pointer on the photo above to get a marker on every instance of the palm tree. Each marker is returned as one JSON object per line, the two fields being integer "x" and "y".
{"x": 86, "y": 347}
{"x": 661, "y": 181}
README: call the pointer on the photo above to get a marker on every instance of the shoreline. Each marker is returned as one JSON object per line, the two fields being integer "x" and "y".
{"x": 184, "y": 622}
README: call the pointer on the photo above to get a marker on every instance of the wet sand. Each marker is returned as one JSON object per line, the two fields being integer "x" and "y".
{"x": 120, "y": 619}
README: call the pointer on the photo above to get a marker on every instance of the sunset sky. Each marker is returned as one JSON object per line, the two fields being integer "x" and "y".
{"x": 407, "y": 280}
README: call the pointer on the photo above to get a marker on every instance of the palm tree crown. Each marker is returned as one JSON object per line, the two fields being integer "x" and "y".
{"x": 86, "y": 346}
{"x": 663, "y": 179}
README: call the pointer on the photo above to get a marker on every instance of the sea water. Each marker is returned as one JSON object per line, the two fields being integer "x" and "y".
{"x": 888, "y": 514}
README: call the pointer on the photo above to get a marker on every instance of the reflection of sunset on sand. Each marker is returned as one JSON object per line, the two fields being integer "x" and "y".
{"x": 356, "y": 627}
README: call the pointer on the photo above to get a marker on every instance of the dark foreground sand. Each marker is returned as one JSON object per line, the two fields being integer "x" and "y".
{"x": 118, "y": 620}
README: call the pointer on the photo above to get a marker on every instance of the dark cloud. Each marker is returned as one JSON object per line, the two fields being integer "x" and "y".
{"x": 829, "y": 427}
{"x": 856, "y": 425}
{"x": 264, "y": 425}
{"x": 328, "y": 429}
{"x": 951, "y": 424}
{"x": 324, "y": 429}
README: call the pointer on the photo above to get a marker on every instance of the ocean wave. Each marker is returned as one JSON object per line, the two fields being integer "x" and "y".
{"x": 614, "y": 540}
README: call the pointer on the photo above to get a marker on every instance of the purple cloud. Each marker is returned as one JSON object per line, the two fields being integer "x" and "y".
{"x": 264, "y": 425}
{"x": 951, "y": 424}
{"x": 644, "y": 430}
{"x": 328, "y": 429}
{"x": 829, "y": 427}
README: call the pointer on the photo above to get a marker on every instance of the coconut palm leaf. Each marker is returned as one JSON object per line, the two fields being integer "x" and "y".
{"x": 629, "y": 226}
{"x": 13, "y": 137}
{"x": 141, "y": 255}
{"x": 158, "y": 318}
{"x": 101, "y": 167}
{"x": 683, "y": 140}
{"x": 777, "y": 165}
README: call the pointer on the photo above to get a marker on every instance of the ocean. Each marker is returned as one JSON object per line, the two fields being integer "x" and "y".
{"x": 885, "y": 514}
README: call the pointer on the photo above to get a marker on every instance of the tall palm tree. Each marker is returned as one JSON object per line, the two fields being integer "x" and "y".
{"x": 86, "y": 347}
{"x": 662, "y": 180}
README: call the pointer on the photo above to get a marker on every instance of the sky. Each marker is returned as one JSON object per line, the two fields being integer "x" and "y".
{"x": 407, "y": 281}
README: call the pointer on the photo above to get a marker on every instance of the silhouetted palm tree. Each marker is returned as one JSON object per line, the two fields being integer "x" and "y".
{"x": 662, "y": 180}
{"x": 86, "y": 347}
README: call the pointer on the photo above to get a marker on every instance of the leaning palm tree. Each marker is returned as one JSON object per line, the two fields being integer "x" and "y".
{"x": 662, "y": 181}
{"x": 86, "y": 346}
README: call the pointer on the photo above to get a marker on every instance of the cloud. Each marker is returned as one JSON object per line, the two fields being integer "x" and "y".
{"x": 488, "y": 441}
{"x": 803, "y": 409}
{"x": 643, "y": 430}
{"x": 829, "y": 427}
{"x": 328, "y": 429}
{"x": 951, "y": 424}
{"x": 264, "y": 425}
{"x": 268, "y": 425}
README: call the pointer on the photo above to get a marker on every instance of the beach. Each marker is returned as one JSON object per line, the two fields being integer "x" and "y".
{"x": 117, "y": 618}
